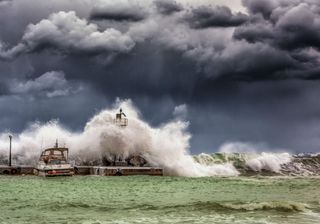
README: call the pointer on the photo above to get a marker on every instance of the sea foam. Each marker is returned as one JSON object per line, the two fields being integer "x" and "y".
{"x": 166, "y": 146}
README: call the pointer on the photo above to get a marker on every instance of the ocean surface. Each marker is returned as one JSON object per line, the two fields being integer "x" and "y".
{"x": 144, "y": 199}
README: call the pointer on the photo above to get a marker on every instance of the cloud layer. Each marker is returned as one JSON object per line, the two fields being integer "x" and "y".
{"x": 66, "y": 32}
{"x": 50, "y": 84}
{"x": 236, "y": 75}
{"x": 275, "y": 40}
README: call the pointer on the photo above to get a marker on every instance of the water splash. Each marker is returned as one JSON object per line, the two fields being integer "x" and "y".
{"x": 266, "y": 163}
{"x": 166, "y": 146}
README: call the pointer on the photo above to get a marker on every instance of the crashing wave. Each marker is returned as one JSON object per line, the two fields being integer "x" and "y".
{"x": 166, "y": 146}
{"x": 266, "y": 163}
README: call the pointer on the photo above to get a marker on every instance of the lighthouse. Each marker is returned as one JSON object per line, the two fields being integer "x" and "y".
{"x": 121, "y": 119}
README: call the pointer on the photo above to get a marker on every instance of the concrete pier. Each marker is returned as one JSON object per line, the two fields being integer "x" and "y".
{"x": 90, "y": 170}
{"x": 16, "y": 170}
{"x": 127, "y": 171}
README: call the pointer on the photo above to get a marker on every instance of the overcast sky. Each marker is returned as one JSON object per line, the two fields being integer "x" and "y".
{"x": 239, "y": 71}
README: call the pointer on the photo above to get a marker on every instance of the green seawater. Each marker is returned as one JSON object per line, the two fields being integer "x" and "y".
{"x": 144, "y": 199}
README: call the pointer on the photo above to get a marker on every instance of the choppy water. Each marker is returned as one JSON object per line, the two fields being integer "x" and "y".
{"x": 92, "y": 199}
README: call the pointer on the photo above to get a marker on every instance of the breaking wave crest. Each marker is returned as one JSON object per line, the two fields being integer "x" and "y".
{"x": 166, "y": 146}
{"x": 266, "y": 163}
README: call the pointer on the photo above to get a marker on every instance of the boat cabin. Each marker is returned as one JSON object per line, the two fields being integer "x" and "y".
{"x": 54, "y": 156}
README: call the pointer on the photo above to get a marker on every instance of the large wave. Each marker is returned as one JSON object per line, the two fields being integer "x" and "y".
{"x": 266, "y": 163}
{"x": 166, "y": 146}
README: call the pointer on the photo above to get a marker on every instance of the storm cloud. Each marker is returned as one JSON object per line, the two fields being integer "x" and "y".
{"x": 219, "y": 16}
{"x": 67, "y": 32}
{"x": 50, "y": 84}
{"x": 243, "y": 76}
{"x": 168, "y": 7}
{"x": 123, "y": 10}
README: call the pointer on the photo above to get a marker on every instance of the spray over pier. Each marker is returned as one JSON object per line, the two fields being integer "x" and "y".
{"x": 116, "y": 165}
{"x": 113, "y": 165}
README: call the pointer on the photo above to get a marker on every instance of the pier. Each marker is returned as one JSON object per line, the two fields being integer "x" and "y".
{"x": 16, "y": 170}
{"x": 89, "y": 170}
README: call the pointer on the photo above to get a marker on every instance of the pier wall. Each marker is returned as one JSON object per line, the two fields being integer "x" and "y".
{"x": 16, "y": 170}
{"x": 89, "y": 170}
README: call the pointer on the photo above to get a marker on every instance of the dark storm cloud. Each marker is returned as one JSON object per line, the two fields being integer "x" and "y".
{"x": 261, "y": 61}
{"x": 292, "y": 27}
{"x": 237, "y": 76}
{"x": 271, "y": 42}
{"x": 50, "y": 84}
{"x": 263, "y": 7}
{"x": 126, "y": 16}
{"x": 67, "y": 32}
{"x": 219, "y": 16}
{"x": 275, "y": 39}
{"x": 127, "y": 11}
{"x": 255, "y": 32}
{"x": 168, "y": 7}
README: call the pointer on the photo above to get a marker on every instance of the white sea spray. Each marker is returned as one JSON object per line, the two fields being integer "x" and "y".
{"x": 166, "y": 146}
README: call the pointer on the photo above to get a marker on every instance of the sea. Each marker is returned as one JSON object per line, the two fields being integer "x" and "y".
{"x": 144, "y": 199}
